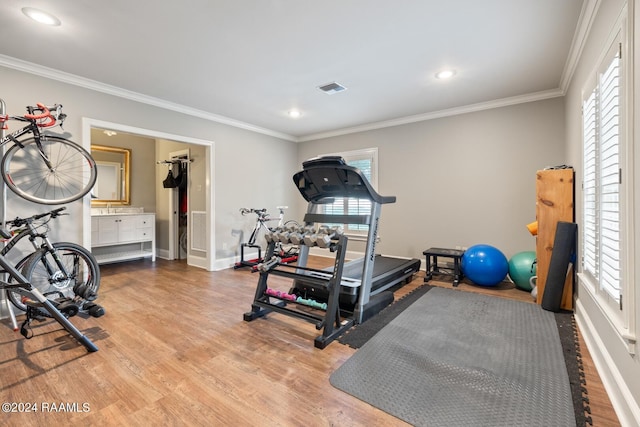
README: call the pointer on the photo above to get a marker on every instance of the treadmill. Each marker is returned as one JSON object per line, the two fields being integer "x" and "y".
{"x": 321, "y": 181}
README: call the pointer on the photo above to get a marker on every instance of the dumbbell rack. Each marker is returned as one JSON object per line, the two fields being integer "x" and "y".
{"x": 329, "y": 320}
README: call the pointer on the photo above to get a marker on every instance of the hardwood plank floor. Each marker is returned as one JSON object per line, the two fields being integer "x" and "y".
{"x": 174, "y": 350}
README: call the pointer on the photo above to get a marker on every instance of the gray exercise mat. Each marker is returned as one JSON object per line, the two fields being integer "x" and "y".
{"x": 456, "y": 358}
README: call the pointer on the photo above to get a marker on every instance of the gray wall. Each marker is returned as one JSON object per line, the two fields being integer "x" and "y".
{"x": 143, "y": 166}
{"x": 250, "y": 168}
{"x": 460, "y": 180}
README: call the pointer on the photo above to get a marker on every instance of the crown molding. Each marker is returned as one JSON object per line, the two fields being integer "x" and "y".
{"x": 585, "y": 21}
{"x": 75, "y": 80}
{"x": 504, "y": 102}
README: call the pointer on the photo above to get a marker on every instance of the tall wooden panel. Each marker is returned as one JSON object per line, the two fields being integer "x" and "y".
{"x": 554, "y": 202}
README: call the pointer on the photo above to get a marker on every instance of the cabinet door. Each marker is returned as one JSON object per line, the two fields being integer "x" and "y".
{"x": 108, "y": 230}
{"x": 95, "y": 231}
{"x": 127, "y": 228}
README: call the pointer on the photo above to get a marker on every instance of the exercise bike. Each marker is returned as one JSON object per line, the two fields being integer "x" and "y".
{"x": 288, "y": 254}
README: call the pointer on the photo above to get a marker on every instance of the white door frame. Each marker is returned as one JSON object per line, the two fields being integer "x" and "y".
{"x": 208, "y": 262}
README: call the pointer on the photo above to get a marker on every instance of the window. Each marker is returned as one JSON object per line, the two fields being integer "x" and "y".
{"x": 367, "y": 162}
{"x": 601, "y": 179}
{"x": 607, "y": 270}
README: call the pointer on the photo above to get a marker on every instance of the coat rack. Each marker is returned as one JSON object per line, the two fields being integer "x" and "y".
{"x": 174, "y": 161}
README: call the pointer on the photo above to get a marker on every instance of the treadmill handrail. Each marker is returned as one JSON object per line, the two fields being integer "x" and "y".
{"x": 330, "y": 177}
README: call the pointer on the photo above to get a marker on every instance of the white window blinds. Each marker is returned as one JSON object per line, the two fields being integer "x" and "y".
{"x": 601, "y": 180}
{"x": 366, "y": 161}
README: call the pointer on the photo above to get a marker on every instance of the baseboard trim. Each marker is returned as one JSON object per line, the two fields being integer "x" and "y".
{"x": 196, "y": 261}
{"x": 224, "y": 263}
{"x": 622, "y": 400}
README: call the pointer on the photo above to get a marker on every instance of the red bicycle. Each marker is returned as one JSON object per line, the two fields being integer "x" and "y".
{"x": 44, "y": 168}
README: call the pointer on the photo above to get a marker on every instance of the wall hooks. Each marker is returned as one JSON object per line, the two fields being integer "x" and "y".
{"x": 174, "y": 161}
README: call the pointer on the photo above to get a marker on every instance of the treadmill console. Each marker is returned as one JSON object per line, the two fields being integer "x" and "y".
{"x": 331, "y": 177}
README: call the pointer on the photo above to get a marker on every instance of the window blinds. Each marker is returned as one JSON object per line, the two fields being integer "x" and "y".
{"x": 350, "y": 205}
{"x": 601, "y": 179}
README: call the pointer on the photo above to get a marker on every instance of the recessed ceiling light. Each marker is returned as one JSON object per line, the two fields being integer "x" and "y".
{"x": 294, "y": 114}
{"x": 445, "y": 74}
{"x": 110, "y": 132}
{"x": 41, "y": 16}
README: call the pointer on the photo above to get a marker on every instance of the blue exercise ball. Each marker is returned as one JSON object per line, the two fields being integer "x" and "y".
{"x": 484, "y": 265}
{"x": 522, "y": 266}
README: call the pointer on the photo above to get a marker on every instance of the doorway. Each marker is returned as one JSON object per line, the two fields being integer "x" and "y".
{"x": 202, "y": 258}
{"x": 179, "y": 205}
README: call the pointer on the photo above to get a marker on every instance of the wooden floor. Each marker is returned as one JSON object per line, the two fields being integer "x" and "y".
{"x": 174, "y": 350}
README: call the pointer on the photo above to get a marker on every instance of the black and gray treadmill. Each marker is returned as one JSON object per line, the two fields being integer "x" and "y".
{"x": 321, "y": 181}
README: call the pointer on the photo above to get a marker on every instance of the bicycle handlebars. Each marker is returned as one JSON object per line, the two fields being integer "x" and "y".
{"x": 259, "y": 212}
{"x": 46, "y": 114}
{"x": 21, "y": 221}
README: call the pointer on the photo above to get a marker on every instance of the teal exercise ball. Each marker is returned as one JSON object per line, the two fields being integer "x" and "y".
{"x": 484, "y": 265}
{"x": 522, "y": 267}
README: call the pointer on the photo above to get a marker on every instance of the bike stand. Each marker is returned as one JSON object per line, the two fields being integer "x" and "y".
{"x": 251, "y": 262}
{"x": 47, "y": 305}
{"x": 12, "y": 315}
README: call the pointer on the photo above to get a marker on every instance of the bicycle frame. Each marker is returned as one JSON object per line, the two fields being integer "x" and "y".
{"x": 263, "y": 218}
{"x": 26, "y": 232}
{"x": 32, "y": 128}
{"x": 31, "y": 232}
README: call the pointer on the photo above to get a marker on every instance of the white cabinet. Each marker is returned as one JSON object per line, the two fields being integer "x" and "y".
{"x": 123, "y": 237}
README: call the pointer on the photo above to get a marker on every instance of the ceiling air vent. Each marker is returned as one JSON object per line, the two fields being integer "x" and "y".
{"x": 331, "y": 88}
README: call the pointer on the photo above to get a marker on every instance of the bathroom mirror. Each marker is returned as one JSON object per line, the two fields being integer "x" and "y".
{"x": 112, "y": 186}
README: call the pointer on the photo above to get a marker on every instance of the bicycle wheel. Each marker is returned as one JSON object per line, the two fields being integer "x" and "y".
{"x": 78, "y": 270}
{"x": 72, "y": 174}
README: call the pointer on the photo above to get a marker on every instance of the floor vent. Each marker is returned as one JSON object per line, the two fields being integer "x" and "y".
{"x": 199, "y": 231}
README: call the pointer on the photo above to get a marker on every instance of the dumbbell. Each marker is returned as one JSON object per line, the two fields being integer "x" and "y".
{"x": 310, "y": 238}
{"x": 312, "y": 303}
{"x": 324, "y": 240}
{"x": 284, "y": 233}
{"x": 281, "y": 295}
{"x": 271, "y": 235}
{"x": 324, "y": 237}
{"x": 268, "y": 265}
{"x": 297, "y": 237}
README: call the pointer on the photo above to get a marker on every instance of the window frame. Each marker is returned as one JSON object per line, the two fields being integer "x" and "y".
{"x": 370, "y": 154}
{"x": 621, "y": 314}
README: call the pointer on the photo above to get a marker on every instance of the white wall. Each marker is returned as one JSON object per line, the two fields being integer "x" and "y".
{"x": 619, "y": 370}
{"x": 460, "y": 180}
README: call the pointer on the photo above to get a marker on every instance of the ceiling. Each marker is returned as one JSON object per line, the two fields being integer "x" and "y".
{"x": 249, "y": 62}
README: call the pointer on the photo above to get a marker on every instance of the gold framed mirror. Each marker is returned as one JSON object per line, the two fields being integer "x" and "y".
{"x": 113, "y": 184}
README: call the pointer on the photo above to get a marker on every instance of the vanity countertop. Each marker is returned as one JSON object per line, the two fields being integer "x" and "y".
{"x": 118, "y": 211}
